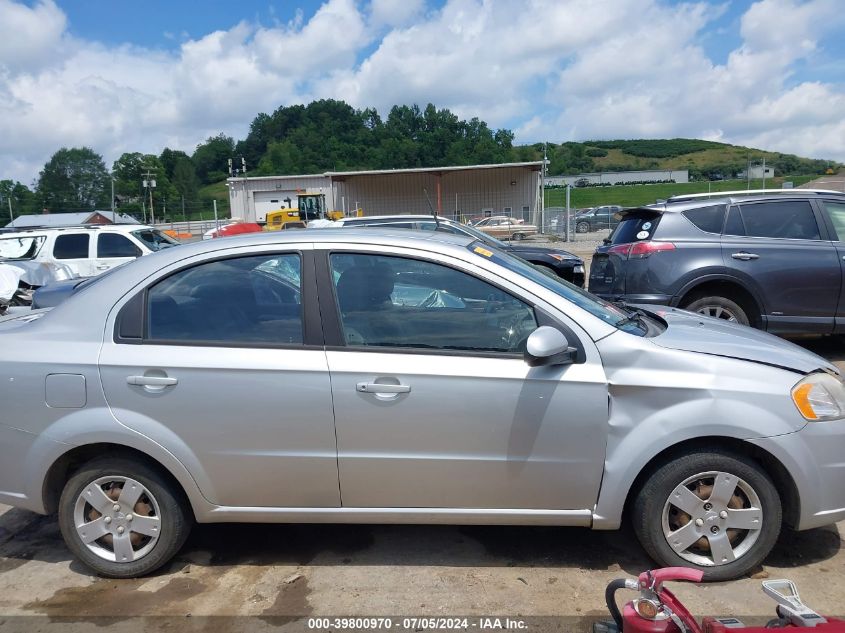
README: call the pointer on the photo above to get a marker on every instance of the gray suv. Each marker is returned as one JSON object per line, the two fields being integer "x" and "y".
{"x": 772, "y": 260}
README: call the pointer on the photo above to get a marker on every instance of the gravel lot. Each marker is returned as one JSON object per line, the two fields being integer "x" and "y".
{"x": 299, "y": 571}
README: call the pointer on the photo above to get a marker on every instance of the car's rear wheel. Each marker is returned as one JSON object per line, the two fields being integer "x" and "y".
{"x": 719, "y": 308}
{"x": 122, "y": 518}
{"x": 518, "y": 236}
{"x": 711, "y": 510}
{"x": 582, "y": 227}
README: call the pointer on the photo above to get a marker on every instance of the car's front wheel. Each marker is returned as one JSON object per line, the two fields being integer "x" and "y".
{"x": 582, "y": 227}
{"x": 715, "y": 511}
{"x": 122, "y": 518}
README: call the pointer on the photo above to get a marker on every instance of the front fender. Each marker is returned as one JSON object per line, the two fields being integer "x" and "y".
{"x": 660, "y": 398}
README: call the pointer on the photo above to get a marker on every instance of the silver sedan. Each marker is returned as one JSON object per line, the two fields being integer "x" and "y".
{"x": 403, "y": 377}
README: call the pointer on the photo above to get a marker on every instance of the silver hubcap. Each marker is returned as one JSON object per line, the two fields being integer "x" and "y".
{"x": 712, "y": 518}
{"x": 117, "y": 518}
{"x": 718, "y": 312}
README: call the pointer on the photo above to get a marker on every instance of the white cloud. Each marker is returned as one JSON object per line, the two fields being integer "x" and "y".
{"x": 395, "y": 12}
{"x": 29, "y": 37}
{"x": 551, "y": 69}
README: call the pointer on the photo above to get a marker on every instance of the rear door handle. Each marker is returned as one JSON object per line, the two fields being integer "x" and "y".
{"x": 152, "y": 381}
{"x": 374, "y": 387}
{"x": 745, "y": 256}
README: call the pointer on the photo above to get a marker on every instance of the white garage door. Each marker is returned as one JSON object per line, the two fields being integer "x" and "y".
{"x": 271, "y": 201}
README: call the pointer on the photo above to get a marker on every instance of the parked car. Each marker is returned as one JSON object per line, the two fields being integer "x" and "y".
{"x": 232, "y": 228}
{"x": 84, "y": 250}
{"x": 416, "y": 378}
{"x": 597, "y": 218}
{"x": 503, "y": 227}
{"x": 769, "y": 260}
{"x": 563, "y": 263}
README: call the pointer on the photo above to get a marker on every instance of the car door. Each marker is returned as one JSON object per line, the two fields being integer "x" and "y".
{"x": 220, "y": 369}
{"x": 74, "y": 249}
{"x": 435, "y": 406}
{"x": 834, "y": 214}
{"x": 114, "y": 249}
{"x": 777, "y": 248}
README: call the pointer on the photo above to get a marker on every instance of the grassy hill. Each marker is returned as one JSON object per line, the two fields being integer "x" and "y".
{"x": 705, "y": 160}
{"x": 636, "y": 195}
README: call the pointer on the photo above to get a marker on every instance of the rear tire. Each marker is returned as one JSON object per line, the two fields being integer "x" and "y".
{"x": 117, "y": 508}
{"x": 720, "y": 308}
{"x": 518, "y": 237}
{"x": 731, "y": 519}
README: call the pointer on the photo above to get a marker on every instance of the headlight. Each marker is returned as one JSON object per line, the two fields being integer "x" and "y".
{"x": 578, "y": 269}
{"x": 820, "y": 397}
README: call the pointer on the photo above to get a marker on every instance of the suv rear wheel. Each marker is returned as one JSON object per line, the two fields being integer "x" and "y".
{"x": 719, "y": 308}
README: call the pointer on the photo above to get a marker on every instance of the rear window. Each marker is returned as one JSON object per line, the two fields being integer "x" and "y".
{"x": 708, "y": 219}
{"x": 71, "y": 246}
{"x": 635, "y": 226}
{"x": 790, "y": 219}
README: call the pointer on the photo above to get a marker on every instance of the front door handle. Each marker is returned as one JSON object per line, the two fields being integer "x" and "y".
{"x": 745, "y": 256}
{"x": 152, "y": 381}
{"x": 374, "y": 387}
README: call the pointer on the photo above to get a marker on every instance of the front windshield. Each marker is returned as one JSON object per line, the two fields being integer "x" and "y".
{"x": 600, "y": 308}
{"x": 21, "y": 247}
{"x": 154, "y": 239}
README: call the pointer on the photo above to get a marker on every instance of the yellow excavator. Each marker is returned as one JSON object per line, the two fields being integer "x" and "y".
{"x": 309, "y": 206}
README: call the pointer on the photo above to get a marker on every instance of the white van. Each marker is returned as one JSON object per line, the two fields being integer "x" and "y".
{"x": 86, "y": 250}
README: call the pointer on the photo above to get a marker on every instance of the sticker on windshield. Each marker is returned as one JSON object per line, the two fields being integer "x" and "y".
{"x": 646, "y": 226}
{"x": 483, "y": 251}
{"x": 642, "y": 235}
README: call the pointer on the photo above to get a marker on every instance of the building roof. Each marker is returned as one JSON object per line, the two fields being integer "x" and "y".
{"x": 535, "y": 165}
{"x": 66, "y": 219}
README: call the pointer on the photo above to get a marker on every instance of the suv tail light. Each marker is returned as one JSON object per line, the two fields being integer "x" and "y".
{"x": 640, "y": 250}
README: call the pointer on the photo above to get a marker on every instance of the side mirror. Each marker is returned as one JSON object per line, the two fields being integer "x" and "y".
{"x": 548, "y": 346}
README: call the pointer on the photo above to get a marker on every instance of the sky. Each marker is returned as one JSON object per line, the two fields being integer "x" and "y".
{"x": 121, "y": 76}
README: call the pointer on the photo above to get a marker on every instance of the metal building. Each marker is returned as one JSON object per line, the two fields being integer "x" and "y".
{"x": 508, "y": 189}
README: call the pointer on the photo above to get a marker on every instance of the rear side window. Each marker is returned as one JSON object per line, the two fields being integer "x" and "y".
{"x": 72, "y": 246}
{"x": 116, "y": 245}
{"x": 708, "y": 219}
{"x": 635, "y": 226}
{"x": 836, "y": 211}
{"x": 789, "y": 219}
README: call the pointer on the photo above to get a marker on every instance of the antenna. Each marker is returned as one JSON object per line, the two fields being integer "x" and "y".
{"x": 431, "y": 206}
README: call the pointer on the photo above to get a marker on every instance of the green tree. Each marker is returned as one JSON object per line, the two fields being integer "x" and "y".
{"x": 185, "y": 180}
{"x": 22, "y": 200}
{"x": 210, "y": 158}
{"x": 169, "y": 157}
{"x": 74, "y": 179}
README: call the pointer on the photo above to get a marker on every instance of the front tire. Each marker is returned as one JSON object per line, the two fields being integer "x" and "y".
{"x": 710, "y": 510}
{"x": 122, "y": 518}
{"x": 582, "y": 227}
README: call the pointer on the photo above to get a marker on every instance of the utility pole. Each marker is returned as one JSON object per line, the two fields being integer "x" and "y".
{"x": 233, "y": 172}
{"x": 113, "y": 217}
{"x": 150, "y": 183}
{"x": 11, "y": 215}
{"x": 543, "y": 192}
{"x": 764, "y": 172}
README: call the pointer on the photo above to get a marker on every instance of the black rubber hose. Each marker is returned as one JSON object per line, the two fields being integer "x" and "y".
{"x": 610, "y": 598}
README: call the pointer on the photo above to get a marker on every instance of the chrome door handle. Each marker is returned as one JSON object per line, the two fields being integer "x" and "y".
{"x": 745, "y": 256}
{"x": 374, "y": 387}
{"x": 151, "y": 381}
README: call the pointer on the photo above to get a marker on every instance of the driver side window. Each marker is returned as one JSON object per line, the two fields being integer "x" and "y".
{"x": 387, "y": 301}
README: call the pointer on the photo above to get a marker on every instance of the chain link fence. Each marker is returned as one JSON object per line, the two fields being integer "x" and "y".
{"x": 578, "y": 225}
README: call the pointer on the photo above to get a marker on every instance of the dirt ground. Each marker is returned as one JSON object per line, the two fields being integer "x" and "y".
{"x": 284, "y": 574}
